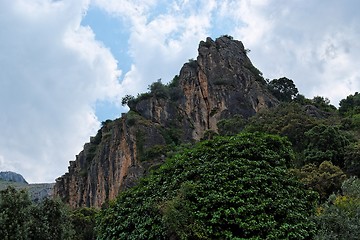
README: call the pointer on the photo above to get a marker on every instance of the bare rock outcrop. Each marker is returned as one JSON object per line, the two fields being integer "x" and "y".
{"x": 220, "y": 83}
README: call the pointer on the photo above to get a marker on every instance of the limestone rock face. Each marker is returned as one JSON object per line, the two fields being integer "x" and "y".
{"x": 220, "y": 83}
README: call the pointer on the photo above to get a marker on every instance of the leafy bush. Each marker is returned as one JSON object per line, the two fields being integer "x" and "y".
{"x": 231, "y": 126}
{"x": 324, "y": 179}
{"x": 339, "y": 218}
{"x": 21, "y": 219}
{"x": 226, "y": 188}
{"x": 323, "y": 104}
{"x": 84, "y": 221}
{"x": 159, "y": 90}
{"x": 287, "y": 119}
{"x": 326, "y": 143}
{"x": 128, "y": 98}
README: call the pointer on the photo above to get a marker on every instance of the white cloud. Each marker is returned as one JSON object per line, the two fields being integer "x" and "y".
{"x": 53, "y": 71}
{"x": 314, "y": 43}
{"x": 160, "y": 43}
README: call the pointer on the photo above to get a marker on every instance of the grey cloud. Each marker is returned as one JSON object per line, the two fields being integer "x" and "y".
{"x": 53, "y": 71}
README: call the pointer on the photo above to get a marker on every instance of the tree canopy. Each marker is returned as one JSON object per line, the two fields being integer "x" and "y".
{"x": 283, "y": 89}
{"x": 226, "y": 188}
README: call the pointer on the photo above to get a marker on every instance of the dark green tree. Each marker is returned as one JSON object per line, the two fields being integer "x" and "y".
{"x": 128, "y": 98}
{"x": 15, "y": 207}
{"x": 158, "y": 89}
{"x": 226, "y": 188}
{"x": 83, "y": 220}
{"x": 326, "y": 143}
{"x": 50, "y": 220}
{"x": 21, "y": 219}
{"x": 350, "y": 111}
{"x": 287, "y": 119}
{"x": 56, "y": 221}
{"x": 352, "y": 159}
{"x": 350, "y": 105}
{"x": 231, "y": 126}
{"x": 283, "y": 89}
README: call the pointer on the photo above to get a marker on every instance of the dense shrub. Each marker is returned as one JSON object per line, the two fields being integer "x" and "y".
{"x": 226, "y": 188}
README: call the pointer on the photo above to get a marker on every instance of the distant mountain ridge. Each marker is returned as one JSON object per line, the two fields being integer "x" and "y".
{"x": 37, "y": 191}
{"x": 12, "y": 177}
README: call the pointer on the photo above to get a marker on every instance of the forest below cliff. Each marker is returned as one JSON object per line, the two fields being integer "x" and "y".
{"x": 289, "y": 172}
{"x": 208, "y": 156}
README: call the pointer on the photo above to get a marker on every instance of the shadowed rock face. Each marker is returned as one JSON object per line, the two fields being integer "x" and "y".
{"x": 221, "y": 83}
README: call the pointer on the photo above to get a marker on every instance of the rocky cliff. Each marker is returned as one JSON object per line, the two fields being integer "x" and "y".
{"x": 220, "y": 83}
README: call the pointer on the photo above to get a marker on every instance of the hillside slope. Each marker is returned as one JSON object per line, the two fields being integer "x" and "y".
{"x": 219, "y": 84}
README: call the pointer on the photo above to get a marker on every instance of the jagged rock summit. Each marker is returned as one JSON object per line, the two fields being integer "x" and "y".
{"x": 219, "y": 84}
{"x": 12, "y": 177}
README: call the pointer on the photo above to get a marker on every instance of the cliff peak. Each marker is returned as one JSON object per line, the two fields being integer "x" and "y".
{"x": 219, "y": 84}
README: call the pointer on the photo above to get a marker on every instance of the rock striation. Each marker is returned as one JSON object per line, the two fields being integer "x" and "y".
{"x": 219, "y": 84}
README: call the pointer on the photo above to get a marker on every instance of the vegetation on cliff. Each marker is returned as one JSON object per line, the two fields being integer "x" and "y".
{"x": 225, "y": 188}
{"x": 264, "y": 153}
{"x": 22, "y": 219}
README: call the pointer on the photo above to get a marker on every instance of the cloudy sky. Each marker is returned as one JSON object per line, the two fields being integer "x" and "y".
{"x": 65, "y": 65}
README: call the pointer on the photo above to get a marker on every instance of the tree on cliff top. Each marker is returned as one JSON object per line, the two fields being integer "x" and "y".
{"x": 226, "y": 188}
{"x": 283, "y": 89}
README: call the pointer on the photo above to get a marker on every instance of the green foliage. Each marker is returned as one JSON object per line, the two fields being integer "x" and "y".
{"x": 15, "y": 210}
{"x": 287, "y": 119}
{"x": 174, "y": 82}
{"x": 231, "y": 126}
{"x": 226, "y": 188}
{"x": 97, "y": 139}
{"x": 283, "y": 89}
{"x": 84, "y": 221}
{"x": 257, "y": 73}
{"x": 155, "y": 152}
{"x": 326, "y": 143}
{"x": 159, "y": 90}
{"x": 51, "y": 221}
{"x": 228, "y": 36}
{"x": 324, "y": 179}
{"x": 323, "y": 104}
{"x": 171, "y": 134}
{"x": 128, "y": 98}
{"x": 302, "y": 100}
{"x": 132, "y": 117}
{"x": 339, "y": 218}
{"x": 175, "y": 92}
{"x": 21, "y": 219}
{"x": 350, "y": 105}
{"x": 352, "y": 159}
{"x": 351, "y": 122}
{"x": 192, "y": 63}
